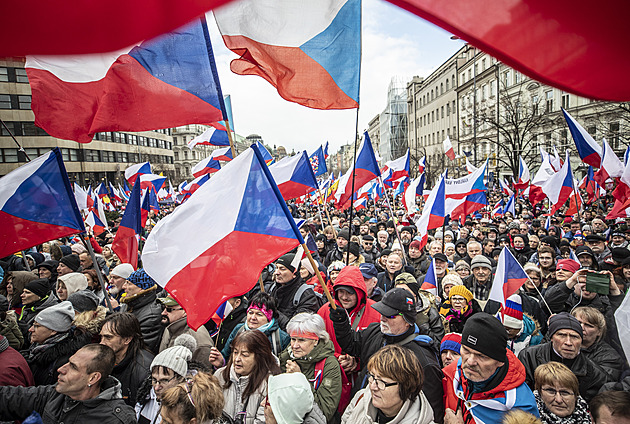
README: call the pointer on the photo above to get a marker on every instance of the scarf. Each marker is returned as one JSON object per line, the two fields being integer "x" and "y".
{"x": 38, "y": 348}
{"x": 580, "y": 414}
{"x": 262, "y": 328}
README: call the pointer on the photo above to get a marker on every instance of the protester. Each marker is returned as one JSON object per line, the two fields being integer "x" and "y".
{"x": 35, "y": 297}
{"x": 558, "y": 397}
{"x": 291, "y": 400}
{"x": 611, "y": 407}
{"x": 198, "y": 400}
{"x": 12, "y": 287}
{"x": 70, "y": 283}
{"x": 140, "y": 299}
{"x": 450, "y": 348}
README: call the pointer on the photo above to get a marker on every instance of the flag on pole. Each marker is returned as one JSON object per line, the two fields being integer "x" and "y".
{"x": 269, "y": 160}
{"x": 545, "y": 172}
{"x": 210, "y": 137}
{"x": 309, "y": 50}
{"x": 421, "y": 165}
{"x": 523, "y": 175}
{"x": 126, "y": 240}
{"x": 399, "y": 168}
{"x": 224, "y": 154}
{"x": 191, "y": 253}
{"x": 559, "y": 187}
{"x": 622, "y": 319}
{"x": 206, "y": 166}
{"x": 294, "y": 176}
{"x": 469, "y": 166}
{"x": 165, "y": 82}
{"x": 365, "y": 169}
{"x": 94, "y": 222}
{"x": 433, "y": 213}
{"x": 609, "y": 167}
{"x": 448, "y": 148}
{"x": 590, "y": 152}
{"x": 152, "y": 180}
{"x": 80, "y": 196}
{"x": 134, "y": 171}
{"x": 508, "y": 278}
{"x": 326, "y": 151}
{"x": 430, "y": 279}
{"x": 318, "y": 161}
{"x": 509, "y": 207}
{"x": 37, "y": 204}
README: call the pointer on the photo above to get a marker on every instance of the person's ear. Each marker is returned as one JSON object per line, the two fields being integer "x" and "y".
{"x": 95, "y": 377}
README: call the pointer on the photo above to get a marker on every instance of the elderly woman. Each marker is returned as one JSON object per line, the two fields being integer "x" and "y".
{"x": 593, "y": 347}
{"x": 534, "y": 241}
{"x": 458, "y": 308}
{"x": 449, "y": 281}
{"x": 70, "y": 283}
{"x": 110, "y": 257}
{"x": 533, "y": 285}
{"x": 462, "y": 268}
{"x": 558, "y": 397}
{"x": 394, "y": 392}
{"x": 244, "y": 377}
{"x": 312, "y": 353}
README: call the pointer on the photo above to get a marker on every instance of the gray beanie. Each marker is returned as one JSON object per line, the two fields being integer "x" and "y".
{"x": 175, "y": 358}
{"x": 58, "y": 317}
{"x": 480, "y": 261}
{"x": 84, "y": 300}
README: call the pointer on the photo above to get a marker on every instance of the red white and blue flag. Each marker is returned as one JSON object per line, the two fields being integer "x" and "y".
{"x": 509, "y": 207}
{"x": 610, "y": 165}
{"x": 81, "y": 197}
{"x": 470, "y": 168}
{"x": 422, "y": 164}
{"x": 505, "y": 188}
{"x": 206, "y": 166}
{"x": 587, "y": 147}
{"x": 94, "y": 222}
{"x": 37, "y": 204}
{"x": 364, "y": 170}
{"x": 127, "y": 238}
{"x": 165, "y": 82}
{"x": 523, "y": 175}
{"x": 545, "y": 173}
{"x": 399, "y": 168}
{"x": 508, "y": 278}
{"x": 415, "y": 188}
{"x": 430, "y": 279}
{"x": 434, "y": 212}
{"x": 191, "y": 254}
{"x": 224, "y": 154}
{"x": 152, "y": 180}
{"x": 135, "y": 170}
{"x": 309, "y": 50}
{"x": 210, "y": 137}
{"x": 326, "y": 151}
{"x": 559, "y": 187}
{"x": 269, "y": 160}
{"x": 294, "y": 176}
{"x": 194, "y": 185}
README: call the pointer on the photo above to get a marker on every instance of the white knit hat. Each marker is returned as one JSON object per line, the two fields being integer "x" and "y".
{"x": 122, "y": 270}
{"x": 290, "y": 397}
{"x": 175, "y": 358}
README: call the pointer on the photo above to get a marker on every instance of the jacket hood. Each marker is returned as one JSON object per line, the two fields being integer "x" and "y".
{"x": 351, "y": 276}
{"x": 110, "y": 390}
{"x": 74, "y": 282}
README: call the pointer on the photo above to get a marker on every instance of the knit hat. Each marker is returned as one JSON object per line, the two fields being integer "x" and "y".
{"x": 290, "y": 397}
{"x": 397, "y": 301}
{"x": 74, "y": 282}
{"x": 122, "y": 271}
{"x": 485, "y": 334}
{"x": 306, "y": 264}
{"x": 353, "y": 248}
{"x": 415, "y": 244}
{"x": 51, "y": 265}
{"x": 335, "y": 266}
{"x": 480, "y": 261}
{"x": 462, "y": 263}
{"x": 84, "y": 300}
{"x": 344, "y": 234}
{"x": 513, "y": 312}
{"x": 175, "y": 358}
{"x": 568, "y": 265}
{"x": 58, "y": 317}
{"x": 563, "y": 321}
{"x": 40, "y": 287}
{"x": 65, "y": 249}
{"x": 71, "y": 261}
{"x": 451, "y": 279}
{"x": 396, "y": 246}
{"x": 460, "y": 291}
{"x": 451, "y": 341}
{"x": 78, "y": 248}
{"x": 286, "y": 261}
{"x": 141, "y": 279}
{"x": 368, "y": 270}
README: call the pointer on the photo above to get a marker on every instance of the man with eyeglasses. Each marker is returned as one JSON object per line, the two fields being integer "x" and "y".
{"x": 566, "y": 335}
{"x": 369, "y": 251}
{"x": 174, "y": 321}
{"x": 396, "y": 326}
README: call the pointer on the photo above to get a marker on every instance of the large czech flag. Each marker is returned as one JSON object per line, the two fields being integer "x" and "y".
{"x": 125, "y": 243}
{"x": 508, "y": 278}
{"x": 294, "y": 176}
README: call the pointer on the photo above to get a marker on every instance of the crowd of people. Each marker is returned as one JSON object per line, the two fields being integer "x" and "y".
{"x": 384, "y": 349}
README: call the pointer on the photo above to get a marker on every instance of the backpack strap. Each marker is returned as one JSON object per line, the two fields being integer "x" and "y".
{"x": 357, "y": 319}
{"x": 298, "y": 294}
{"x": 319, "y": 374}
{"x": 275, "y": 342}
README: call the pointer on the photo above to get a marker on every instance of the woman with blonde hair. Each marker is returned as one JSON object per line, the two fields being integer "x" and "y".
{"x": 558, "y": 397}
{"x": 195, "y": 401}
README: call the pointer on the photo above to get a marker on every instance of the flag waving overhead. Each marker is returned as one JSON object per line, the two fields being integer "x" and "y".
{"x": 610, "y": 165}
{"x": 165, "y": 82}
{"x": 309, "y": 50}
{"x": 508, "y": 278}
{"x": 210, "y": 137}
{"x": 448, "y": 148}
{"x": 430, "y": 279}
{"x": 399, "y": 167}
{"x": 433, "y": 213}
{"x": 365, "y": 169}
{"x": 224, "y": 154}
{"x": 135, "y": 170}
{"x": 125, "y": 243}
{"x": 191, "y": 252}
{"x": 318, "y": 161}
{"x": 294, "y": 176}
{"x": 206, "y": 166}
{"x": 587, "y": 148}
{"x": 37, "y": 204}
{"x": 559, "y": 187}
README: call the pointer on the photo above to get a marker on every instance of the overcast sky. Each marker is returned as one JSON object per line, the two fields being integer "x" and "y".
{"x": 396, "y": 43}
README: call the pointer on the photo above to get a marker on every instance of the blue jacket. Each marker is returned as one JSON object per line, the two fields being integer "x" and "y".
{"x": 283, "y": 338}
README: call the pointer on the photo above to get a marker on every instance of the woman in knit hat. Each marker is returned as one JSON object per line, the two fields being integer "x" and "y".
{"x": 13, "y": 286}
{"x": 36, "y": 297}
{"x": 460, "y": 306}
{"x": 462, "y": 268}
{"x": 70, "y": 283}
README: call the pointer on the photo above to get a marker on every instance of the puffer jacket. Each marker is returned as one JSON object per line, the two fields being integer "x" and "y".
{"x": 328, "y": 394}
{"x": 9, "y": 328}
{"x": 55, "y": 408}
{"x": 363, "y": 311}
{"x": 143, "y": 305}
{"x": 602, "y": 354}
{"x": 29, "y": 312}
{"x": 361, "y": 411}
{"x": 234, "y": 402}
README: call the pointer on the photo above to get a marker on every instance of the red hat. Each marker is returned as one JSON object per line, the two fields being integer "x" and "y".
{"x": 568, "y": 265}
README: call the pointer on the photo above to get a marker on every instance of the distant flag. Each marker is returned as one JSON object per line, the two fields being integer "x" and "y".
{"x": 80, "y": 196}
{"x": 309, "y": 51}
{"x": 224, "y": 154}
{"x": 364, "y": 170}
{"x": 505, "y": 188}
{"x": 622, "y": 191}
{"x": 448, "y": 148}
{"x": 37, "y": 204}
{"x": 101, "y": 190}
{"x": 94, "y": 222}
{"x": 556, "y": 162}
{"x": 508, "y": 278}
{"x": 318, "y": 162}
{"x": 206, "y": 166}
{"x": 399, "y": 167}
{"x": 195, "y": 184}
{"x": 126, "y": 187}
{"x": 134, "y": 171}
{"x": 165, "y": 82}
{"x": 575, "y": 202}
{"x": 469, "y": 205}
{"x": 459, "y": 188}
{"x": 265, "y": 153}
{"x": 548, "y": 223}
{"x": 326, "y": 151}
{"x": 469, "y": 166}
{"x": 125, "y": 244}
{"x": 360, "y": 203}
{"x": 224, "y": 310}
{"x": 430, "y": 280}
{"x": 498, "y": 208}
{"x": 626, "y": 155}
{"x": 545, "y": 172}
{"x": 509, "y": 207}
{"x": 559, "y": 187}
{"x": 433, "y": 213}
{"x": 619, "y": 210}
{"x": 294, "y": 176}
{"x": 587, "y": 147}
{"x": 152, "y": 180}
{"x": 210, "y": 137}
{"x": 523, "y": 175}
{"x": 192, "y": 256}
{"x": 421, "y": 165}
{"x": 610, "y": 166}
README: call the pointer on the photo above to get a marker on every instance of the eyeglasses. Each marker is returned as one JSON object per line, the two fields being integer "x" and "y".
{"x": 163, "y": 382}
{"x": 380, "y": 384}
{"x": 457, "y": 299}
{"x": 563, "y": 393}
{"x": 170, "y": 309}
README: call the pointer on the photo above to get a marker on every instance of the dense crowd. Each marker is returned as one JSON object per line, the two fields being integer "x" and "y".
{"x": 387, "y": 350}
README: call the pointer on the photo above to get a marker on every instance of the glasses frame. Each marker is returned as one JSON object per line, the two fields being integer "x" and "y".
{"x": 380, "y": 384}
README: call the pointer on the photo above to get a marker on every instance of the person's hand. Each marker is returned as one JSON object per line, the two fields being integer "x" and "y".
{"x": 347, "y": 363}
{"x": 578, "y": 277}
{"x": 114, "y": 302}
{"x": 216, "y": 358}
{"x": 614, "y": 288}
{"x": 292, "y": 366}
{"x": 338, "y": 314}
{"x": 451, "y": 417}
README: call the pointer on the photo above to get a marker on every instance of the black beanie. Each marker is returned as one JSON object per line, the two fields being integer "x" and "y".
{"x": 71, "y": 261}
{"x": 485, "y": 334}
{"x": 285, "y": 260}
{"x": 353, "y": 248}
{"x": 564, "y": 321}
{"x": 39, "y": 287}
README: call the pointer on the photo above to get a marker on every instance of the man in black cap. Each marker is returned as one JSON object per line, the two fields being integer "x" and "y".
{"x": 486, "y": 373}
{"x": 369, "y": 251}
{"x": 587, "y": 258}
{"x": 566, "y": 335}
{"x": 397, "y": 326}
{"x": 292, "y": 294}
{"x": 68, "y": 264}
{"x": 336, "y": 253}
{"x": 597, "y": 243}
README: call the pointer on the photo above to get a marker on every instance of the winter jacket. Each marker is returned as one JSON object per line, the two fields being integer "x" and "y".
{"x": 365, "y": 343}
{"x": 385, "y": 282}
{"x": 46, "y": 358}
{"x": 29, "y": 312}
{"x": 14, "y": 370}
{"x": 234, "y": 402}
{"x": 9, "y": 328}
{"x": 361, "y": 315}
{"x": 284, "y": 294}
{"x": 278, "y": 338}
{"x": 56, "y": 408}
{"x": 131, "y": 372}
{"x": 361, "y": 411}
{"x": 148, "y": 412}
{"x": 334, "y": 254}
{"x": 143, "y": 305}
{"x": 179, "y": 327}
{"x": 529, "y": 336}
{"x": 328, "y": 393}
{"x": 370, "y": 255}
{"x": 504, "y": 391}
{"x": 602, "y": 354}
{"x": 428, "y": 318}
{"x": 590, "y": 376}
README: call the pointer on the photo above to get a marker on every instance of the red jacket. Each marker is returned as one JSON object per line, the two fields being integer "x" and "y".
{"x": 351, "y": 276}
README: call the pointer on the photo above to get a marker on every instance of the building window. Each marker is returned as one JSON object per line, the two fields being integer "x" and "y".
{"x": 614, "y": 134}
{"x": 24, "y": 102}
{"x": 483, "y": 92}
{"x": 9, "y": 155}
{"x": 442, "y": 112}
{"x": 4, "y": 75}
{"x": 20, "y": 75}
{"x": 441, "y": 88}
{"x": 565, "y": 101}
{"x": 5, "y": 101}
{"x": 483, "y": 64}
{"x": 592, "y": 130}
{"x": 453, "y": 82}
{"x": 535, "y": 101}
{"x": 549, "y": 101}
{"x": 517, "y": 77}
{"x": 448, "y": 109}
{"x": 469, "y": 74}
{"x": 447, "y": 81}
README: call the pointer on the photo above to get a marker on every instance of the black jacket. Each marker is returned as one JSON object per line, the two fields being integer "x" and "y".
{"x": 590, "y": 376}
{"x": 607, "y": 358}
{"x": 233, "y": 319}
{"x": 149, "y": 313}
{"x": 131, "y": 372}
{"x": 365, "y": 343}
{"x": 284, "y": 295}
{"x": 334, "y": 254}
{"x": 29, "y": 312}
{"x": 106, "y": 408}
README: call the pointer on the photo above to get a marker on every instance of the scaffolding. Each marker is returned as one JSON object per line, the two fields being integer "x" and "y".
{"x": 393, "y": 121}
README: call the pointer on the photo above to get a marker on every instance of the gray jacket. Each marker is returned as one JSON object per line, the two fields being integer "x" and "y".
{"x": 17, "y": 403}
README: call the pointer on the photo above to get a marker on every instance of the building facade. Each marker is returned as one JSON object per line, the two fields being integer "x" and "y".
{"x": 393, "y": 122}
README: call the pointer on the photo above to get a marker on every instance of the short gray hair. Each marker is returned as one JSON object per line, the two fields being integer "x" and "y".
{"x": 307, "y": 322}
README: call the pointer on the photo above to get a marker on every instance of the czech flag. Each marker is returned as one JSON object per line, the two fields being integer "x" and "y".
{"x": 294, "y": 176}
{"x": 587, "y": 147}
{"x": 37, "y": 204}
{"x": 309, "y": 50}
{"x": 94, "y": 222}
{"x": 360, "y": 204}
{"x": 509, "y": 207}
{"x": 559, "y": 187}
{"x": 206, "y": 166}
{"x": 422, "y": 164}
{"x": 460, "y": 188}
{"x": 545, "y": 172}
{"x": 80, "y": 196}
{"x": 364, "y": 170}
{"x": 134, "y": 171}
{"x": 448, "y": 148}
{"x": 523, "y": 175}
{"x": 400, "y": 167}
{"x": 619, "y": 210}
{"x": 610, "y": 166}
{"x": 470, "y": 168}
{"x": 415, "y": 188}
{"x": 509, "y": 277}
{"x": 434, "y": 211}
{"x": 191, "y": 252}
{"x": 165, "y": 82}
{"x": 195, "y": 184}
{"x": 430, "y": 280}
{"x": 126, "y": 240}
{"x": 269, "y": 160}
{"x": 101, "y": 191}
{"x": 210, "y": 137}
{"x": 318, "y": 161}
{"x": 152, "y": 180}
{"x": 149, "y": 203}
{"x": 224, "y": 154}
{"x": 470, "y": 204}
{"x": 622, "y": 191}
{"x": 504, "y": 187}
